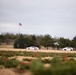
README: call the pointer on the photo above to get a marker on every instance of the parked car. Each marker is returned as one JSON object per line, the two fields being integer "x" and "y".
{"x": 67, "y": 48}
{"x": 33, "y": 48}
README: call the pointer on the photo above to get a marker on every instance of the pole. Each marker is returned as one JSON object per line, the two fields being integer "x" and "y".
{"x": 19, "y": 27}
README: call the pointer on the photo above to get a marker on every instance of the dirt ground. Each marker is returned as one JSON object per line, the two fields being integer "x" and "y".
{"x": 14, "y": 72}
{"x": 41, "y": 50}
{"x": 11, "y": 48}
{"x": 6, "y": 71}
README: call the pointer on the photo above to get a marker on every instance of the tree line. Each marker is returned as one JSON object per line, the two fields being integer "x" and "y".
{"x": 23, "y": 41}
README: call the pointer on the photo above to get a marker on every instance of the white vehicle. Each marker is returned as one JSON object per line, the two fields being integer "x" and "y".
{"x": 33, "y": 48}
{"x": 67, "y": 49}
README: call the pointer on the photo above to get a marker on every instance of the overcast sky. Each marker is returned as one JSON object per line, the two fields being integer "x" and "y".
{"x": 54, "y": 17}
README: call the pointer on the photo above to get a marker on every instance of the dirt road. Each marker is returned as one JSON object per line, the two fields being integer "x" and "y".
{"x": 53, "y": 51}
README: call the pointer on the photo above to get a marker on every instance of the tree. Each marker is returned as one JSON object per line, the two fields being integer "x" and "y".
{"x": 28, "y": 41}
{"x": 7, "y": 38}
{"x": 47, "y": 41}
{"x": 33, "y": 37}
{"x": 74, "y": 42}
{"x": 1, "y": 38}
{"x": 74, "y": 39}
{"x": 35, "y": 41}
{"x": 64, "y": 42}
{"x": 20, "y": 42}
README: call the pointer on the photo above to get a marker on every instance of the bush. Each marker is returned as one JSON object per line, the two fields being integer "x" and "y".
{"x": 46, "y": 61}
{"x": 27, "y": 59}
{"x": 8, "y": 53}
{"x": 2, "y": 60}
{"x": 11, "y": 63}
{"x": 67, "y": 68}
{"x": 37, "y": 67}
{"x": 56, "y": 61}
{"x": 24, "y": 65}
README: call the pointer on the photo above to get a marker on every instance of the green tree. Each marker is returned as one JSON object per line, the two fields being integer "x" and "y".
{"x": 1, "y": 38}
{"x": 33, "y": 37}
{"x": 7, "y": 38}
{"x": 35, "y": 41}
{"x": 74, "y": 42}
{"x": 74, "y": 39}
{"x": 47, "y": 41}
{"x": 20, "y": 42}
{"x": 28, "y": 41}
{"x": 64, "y": 42}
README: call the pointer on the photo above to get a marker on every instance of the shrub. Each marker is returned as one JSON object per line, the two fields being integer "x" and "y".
{"x": 27, "y": 59}
{"x": 8, "y": 53}
{"x": 56, "y": 61}
{"x": 46, "y": 61}
{"x": 11, "y": 63}
{"x": 2, "y": 60}
{"x": 67, "y": 68}
{"x": 37, "y": 67}
{"x": 24, "y": 65}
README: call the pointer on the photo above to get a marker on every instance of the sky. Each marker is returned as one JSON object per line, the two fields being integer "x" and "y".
{"x": 54, "y": 17}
